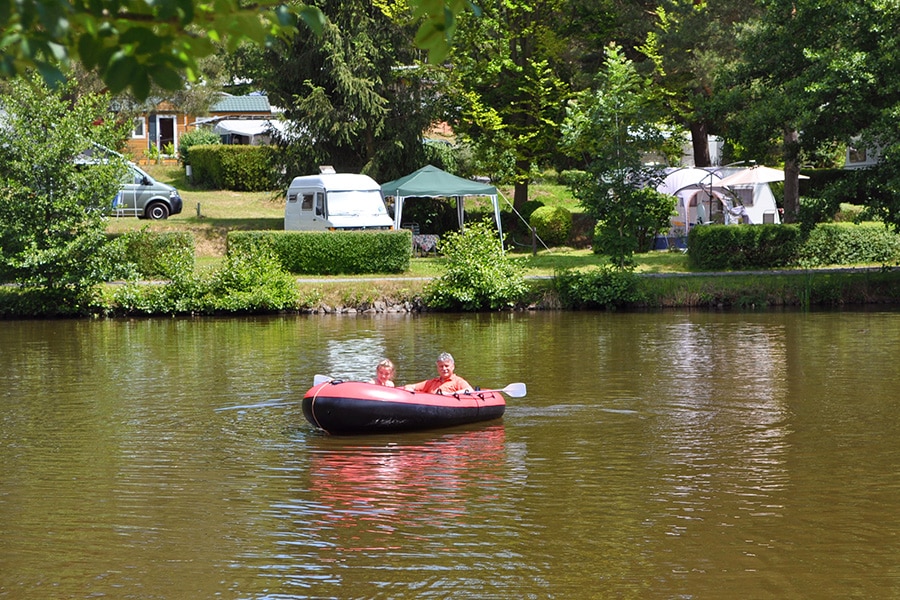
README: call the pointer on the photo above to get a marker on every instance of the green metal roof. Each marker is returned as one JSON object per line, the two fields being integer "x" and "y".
{"x": 242, "y": 104}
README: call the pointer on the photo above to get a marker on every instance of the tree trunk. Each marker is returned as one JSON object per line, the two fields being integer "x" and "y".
{"x": 791, "y": 176}
{"x": 700, "y": 144}
{"x": 520, "y": 196}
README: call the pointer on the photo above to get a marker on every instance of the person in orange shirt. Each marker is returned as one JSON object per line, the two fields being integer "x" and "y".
{"x": 447, "y": 382}
{"x": 384, "y": 373}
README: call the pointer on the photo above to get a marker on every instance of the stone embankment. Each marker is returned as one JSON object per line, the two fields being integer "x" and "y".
{"x": 379, "y": 306}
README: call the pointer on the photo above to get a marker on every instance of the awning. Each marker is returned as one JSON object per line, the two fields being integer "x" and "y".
{"x": 247, "y": 127}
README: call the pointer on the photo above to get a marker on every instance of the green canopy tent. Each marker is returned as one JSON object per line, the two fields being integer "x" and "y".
{"x": 431, "y": 182}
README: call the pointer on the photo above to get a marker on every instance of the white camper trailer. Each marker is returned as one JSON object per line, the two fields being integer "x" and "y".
{"x": 335, "y": 201}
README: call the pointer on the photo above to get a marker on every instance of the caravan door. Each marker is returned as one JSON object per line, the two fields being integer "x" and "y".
{"x": 305, "y": 210}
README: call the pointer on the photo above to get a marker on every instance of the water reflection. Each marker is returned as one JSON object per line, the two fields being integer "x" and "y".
{"x": 400, "y": 514}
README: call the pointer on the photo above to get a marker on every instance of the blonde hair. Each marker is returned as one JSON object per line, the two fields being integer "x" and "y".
{"x": 385, "y": 362}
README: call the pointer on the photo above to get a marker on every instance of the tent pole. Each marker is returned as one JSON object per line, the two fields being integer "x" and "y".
{"x": 398, "y": 211}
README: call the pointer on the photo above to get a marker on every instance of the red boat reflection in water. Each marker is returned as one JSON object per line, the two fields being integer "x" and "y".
{"x": 380, "y": 488}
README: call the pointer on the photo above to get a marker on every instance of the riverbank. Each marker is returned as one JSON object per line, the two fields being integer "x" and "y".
{"x": 857, "y": 287}
{"x": 827, "y": 288}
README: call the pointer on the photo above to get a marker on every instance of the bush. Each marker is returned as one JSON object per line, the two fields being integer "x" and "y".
{"x": 150, "y": 254}
{"x": 735, "y": 247}
{"x": 605, "y": 287}
{"x": 251, "y": 282}
{"x": 552, "y": 224}
{"x": 195, "y": 137}
{"x": 847, "y": 244}
{"x": 330, "y": 252}
{"x": 238, "y": 168}
{"x": 478, "y": 274}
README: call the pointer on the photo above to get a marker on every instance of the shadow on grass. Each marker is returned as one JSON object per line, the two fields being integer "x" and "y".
{"x": 245, "y": 224}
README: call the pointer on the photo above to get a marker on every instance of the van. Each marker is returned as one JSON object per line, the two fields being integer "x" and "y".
{"x": 142, "y": 196}
{"x": 335, "y": 201}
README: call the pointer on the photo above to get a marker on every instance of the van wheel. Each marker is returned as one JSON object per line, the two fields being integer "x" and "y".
{"x": 157, "y": 211}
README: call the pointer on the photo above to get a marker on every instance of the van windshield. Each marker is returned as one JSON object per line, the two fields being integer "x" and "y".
{"x": 355, "y": 202}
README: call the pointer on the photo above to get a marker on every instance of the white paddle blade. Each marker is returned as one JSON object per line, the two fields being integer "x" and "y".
{"x": 514, "y": 390}
{"x": 320, "y": 379}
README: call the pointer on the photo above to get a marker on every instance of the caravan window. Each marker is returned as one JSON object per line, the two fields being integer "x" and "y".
{"x": 307, "y": 203}
{"x": 745, "y": 195}
{"x": 320, "y": 203}
{"x": 355, "y": 203}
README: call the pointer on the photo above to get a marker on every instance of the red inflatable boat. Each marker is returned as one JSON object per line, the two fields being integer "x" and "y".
{"x": 353, "y": 407}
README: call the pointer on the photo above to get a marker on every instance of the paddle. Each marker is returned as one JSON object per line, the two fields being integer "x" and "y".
{"x": 513, "y": 390}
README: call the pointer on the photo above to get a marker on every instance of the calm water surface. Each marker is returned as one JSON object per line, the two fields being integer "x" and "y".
{"x": 665, "y": 455}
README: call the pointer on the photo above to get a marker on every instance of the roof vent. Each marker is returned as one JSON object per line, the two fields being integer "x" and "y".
{"x": 326, "y": 169}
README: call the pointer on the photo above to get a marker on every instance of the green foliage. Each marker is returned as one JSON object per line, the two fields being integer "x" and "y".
{"x": 156, "y": 255}
{"x": 252, "y": 282}
{"x": 348, "y": 95}
{"x": 735, "y": 247}
{"x": 235, "y": 167}
{"x": 48, "y": 303}
{"x": 478, "y": 274}
{"x": 330, "y": 252}
{"x": 603, "y": 287}
{"x": 848, "y": 244}
{"x": 611, "y": 130}
{"x": 552, "y": 224}
{"x": 52, "y": 209}
{"x": 134, "y": 44}
{"x": 630, "y": 224}
{"x": 506, "y": 97}
{"x": 195, "y": 137}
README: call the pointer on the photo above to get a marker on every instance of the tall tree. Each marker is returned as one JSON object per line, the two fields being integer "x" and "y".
{"x": 690, "y": 43}
{"x": 53, "y": 206}
{"x": 611, "y": 130}
{"x": 356, "y": 95}
{"x": 505, "y": 63}
{"x": 811, "y": 71}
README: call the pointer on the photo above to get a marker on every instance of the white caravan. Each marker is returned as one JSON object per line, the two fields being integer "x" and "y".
{"x": 335, "y": 201}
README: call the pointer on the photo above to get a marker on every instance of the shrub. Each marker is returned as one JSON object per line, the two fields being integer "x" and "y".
{"x": 552, "y": 224}
{"x": 253, "y": 281}
{"x": 605, "y": 287}
{"x": 847, "y": 244}
{"x": 571, "y": 177}
{"x": 195, "y": 137}
{"x": 330, "y": 252}
{"x": 150, "y": 254}
{"x": 238, "y": 168}
{"x": 727, "y": 247}
{"x": 478, "y": 274}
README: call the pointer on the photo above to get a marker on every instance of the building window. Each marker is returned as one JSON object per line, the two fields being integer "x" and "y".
{"x": 140, "y": 128}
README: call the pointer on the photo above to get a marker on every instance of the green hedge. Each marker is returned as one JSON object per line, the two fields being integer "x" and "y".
{"x": 847, "y": 244}
{"x": 736, "y": 247}
{"x": 235, "y": 167}
{"x": 330, "y": 252}
{"x": 150, "y": 255}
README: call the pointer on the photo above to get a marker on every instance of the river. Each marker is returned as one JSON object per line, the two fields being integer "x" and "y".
{"x": 656, "y": 455}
